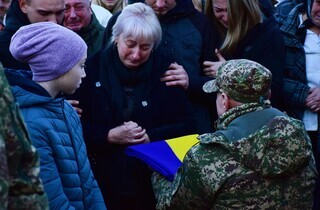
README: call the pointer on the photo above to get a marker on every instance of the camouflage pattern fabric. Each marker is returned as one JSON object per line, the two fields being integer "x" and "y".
{"x": 243, "y": 80}
{"x": 20, "y": 185}
{"x": 272, "y": 167}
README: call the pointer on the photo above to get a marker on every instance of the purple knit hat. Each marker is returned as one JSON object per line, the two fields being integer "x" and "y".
{"x": 50, "y": 49}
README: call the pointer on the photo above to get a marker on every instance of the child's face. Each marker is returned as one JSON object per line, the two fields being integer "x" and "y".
{"x": 71, "y": 80}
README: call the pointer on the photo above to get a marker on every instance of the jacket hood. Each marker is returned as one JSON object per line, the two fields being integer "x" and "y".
{"x": 27, "y": 92}
{"x": 15, "y": 17}
{"x": 278, "y": 148}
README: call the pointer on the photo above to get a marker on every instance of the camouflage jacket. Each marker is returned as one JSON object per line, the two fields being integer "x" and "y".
{"x": 257, "y": 159}
{"x": 20, "y": 185}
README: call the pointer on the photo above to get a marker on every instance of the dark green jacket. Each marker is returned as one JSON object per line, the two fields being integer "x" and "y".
{"x": 92, "y": 35}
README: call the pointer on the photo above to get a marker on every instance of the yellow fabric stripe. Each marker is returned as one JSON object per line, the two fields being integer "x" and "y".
{"x": 181, "y": 145}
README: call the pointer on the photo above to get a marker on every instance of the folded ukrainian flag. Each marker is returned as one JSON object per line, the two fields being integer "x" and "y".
{"x": 164, "y": 156}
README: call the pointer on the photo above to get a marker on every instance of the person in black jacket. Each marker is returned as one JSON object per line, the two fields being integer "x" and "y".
{"x": 25, "y": 12}
{"x": 125, "y": 103}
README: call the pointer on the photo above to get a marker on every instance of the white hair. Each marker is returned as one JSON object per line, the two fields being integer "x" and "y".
{"x": 139, "y": 21}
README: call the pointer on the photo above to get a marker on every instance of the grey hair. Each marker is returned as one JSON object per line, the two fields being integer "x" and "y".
{"x": 139, "y": 21}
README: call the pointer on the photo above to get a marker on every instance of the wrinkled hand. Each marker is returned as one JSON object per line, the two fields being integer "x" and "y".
{"x": 210, "y": 68}
{"x": 176, "y": 76}
{"x": 313, "y": 99}
{"x": 128, "y": 133}
{"x": 75, "y": 104}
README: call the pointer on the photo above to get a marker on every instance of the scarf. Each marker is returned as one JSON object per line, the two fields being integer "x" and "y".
{"x": 129, "y": 88}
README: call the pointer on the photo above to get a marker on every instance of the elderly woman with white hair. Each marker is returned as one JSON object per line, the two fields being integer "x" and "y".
{"x": 125, "y": 103}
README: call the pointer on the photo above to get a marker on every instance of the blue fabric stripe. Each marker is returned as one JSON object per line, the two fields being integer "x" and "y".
{"x": 158, "y": 155}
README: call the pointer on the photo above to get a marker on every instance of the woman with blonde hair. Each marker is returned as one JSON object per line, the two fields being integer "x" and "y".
{"x": 113, "y": 6}
{"x": 246, "y": 31}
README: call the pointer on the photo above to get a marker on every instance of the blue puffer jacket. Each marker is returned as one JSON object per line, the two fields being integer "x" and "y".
{"x": 56, "y": 132}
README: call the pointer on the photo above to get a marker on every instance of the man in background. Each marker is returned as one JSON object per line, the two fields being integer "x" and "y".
{"x": 24, "y": 12}
{"x": 80, "y": 19}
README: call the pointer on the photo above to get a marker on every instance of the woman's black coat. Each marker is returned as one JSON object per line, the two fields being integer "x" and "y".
{"x": 164, "y": 112}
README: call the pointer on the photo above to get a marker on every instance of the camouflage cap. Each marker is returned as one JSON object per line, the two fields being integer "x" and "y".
{"x": 242, "y": 80}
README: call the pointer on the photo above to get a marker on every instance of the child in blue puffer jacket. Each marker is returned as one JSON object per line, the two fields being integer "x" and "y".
{"x": 56, "y": 57}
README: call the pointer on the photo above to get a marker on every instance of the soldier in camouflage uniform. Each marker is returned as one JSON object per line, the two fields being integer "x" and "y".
{"x": 20, "y": 185}
{"x": 258, "y": 158}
